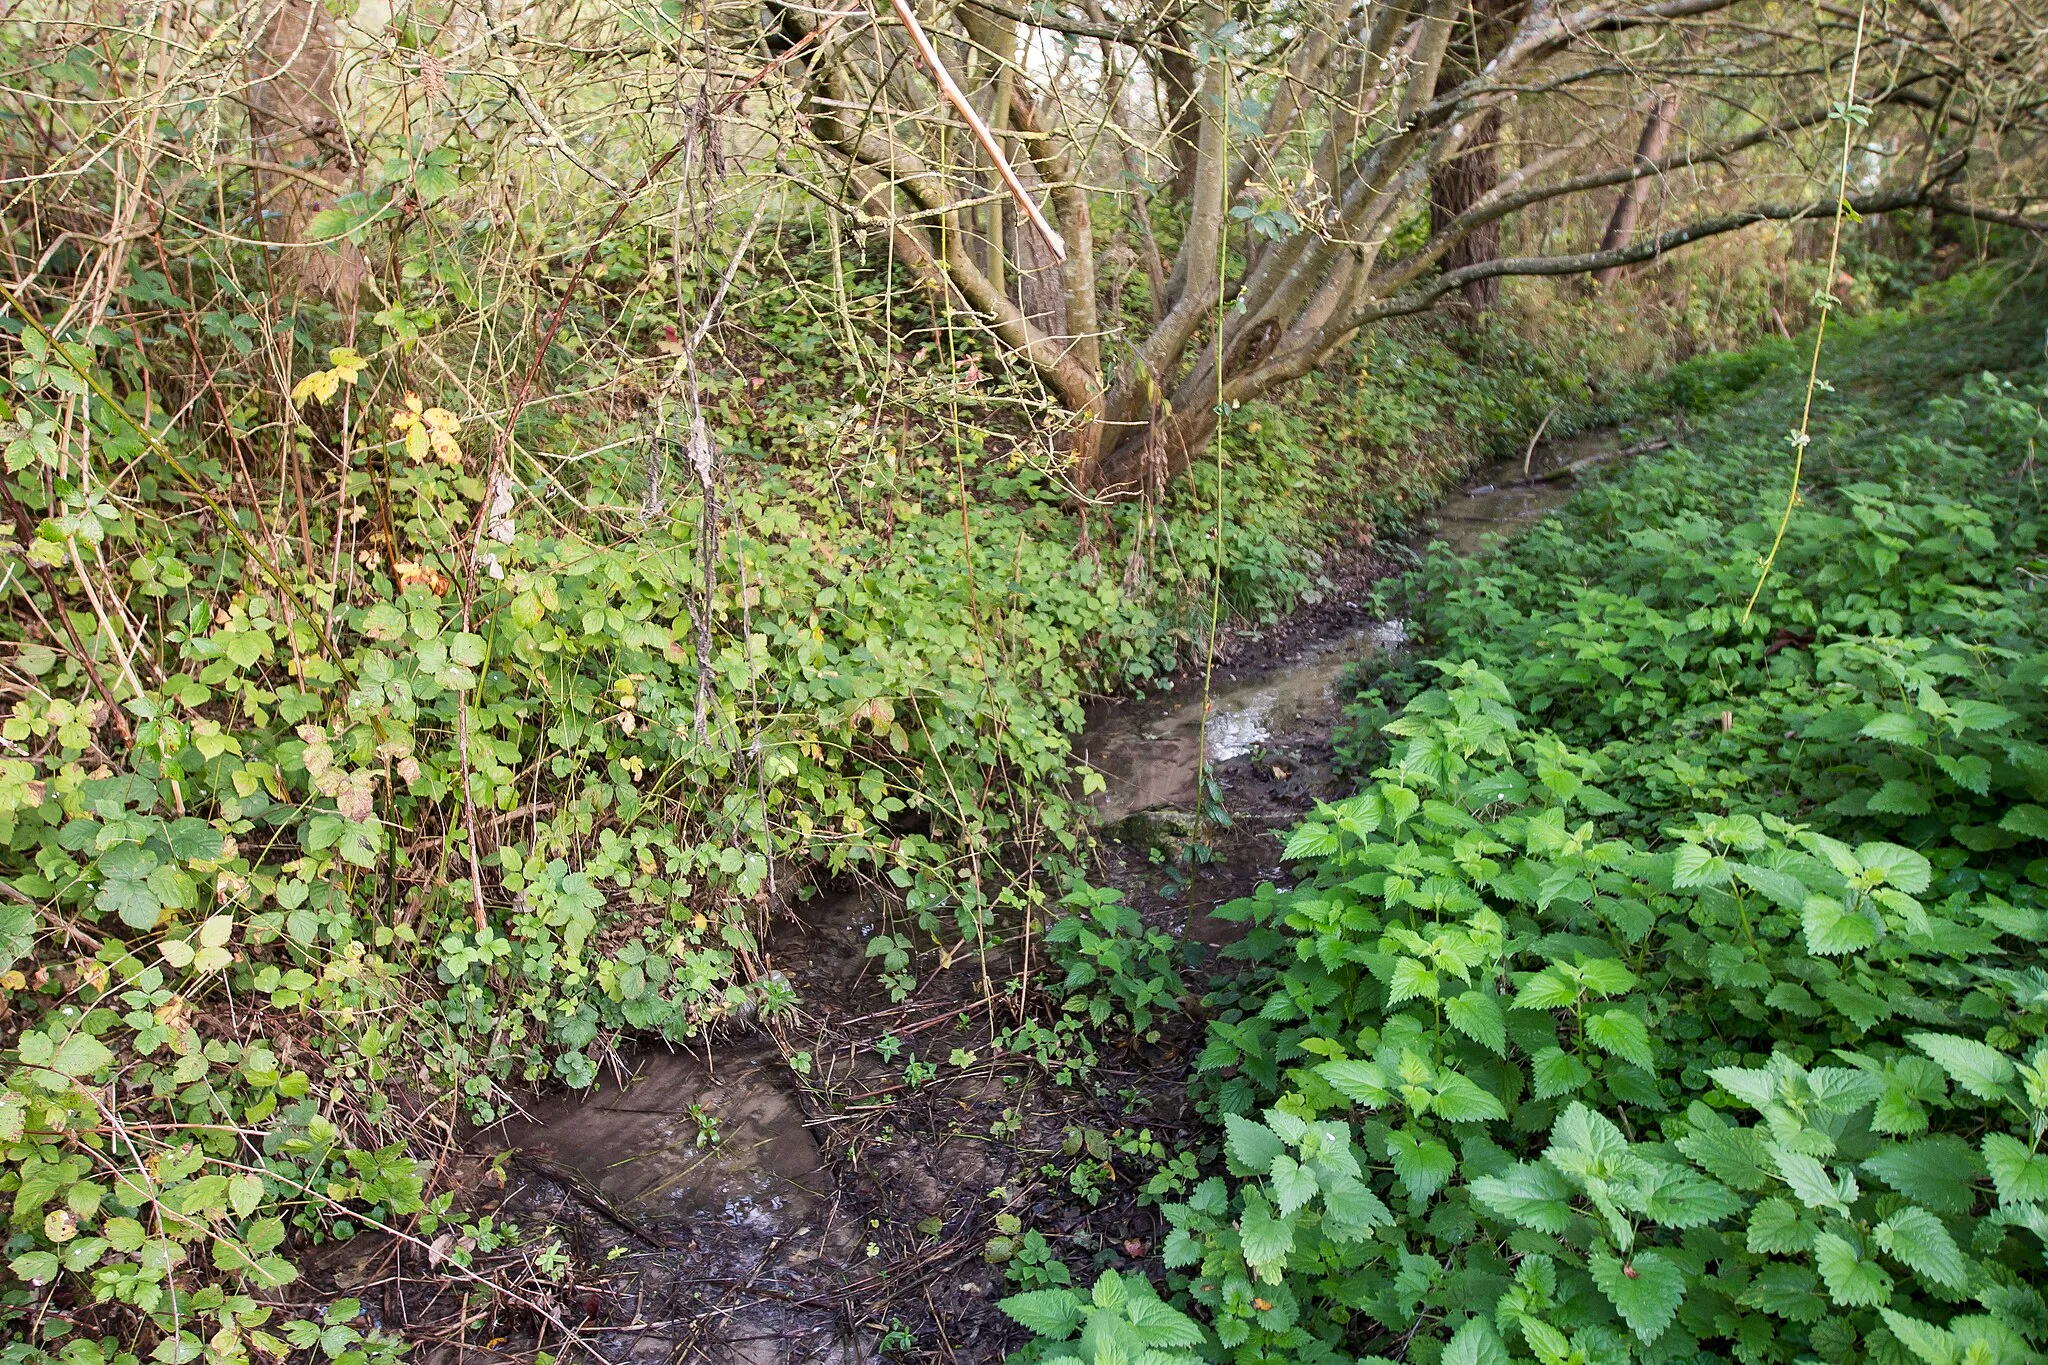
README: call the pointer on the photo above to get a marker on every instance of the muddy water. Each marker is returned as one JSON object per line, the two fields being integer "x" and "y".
{"x": 1505, "y": 497}
{"x": 1145, "y": 750}
{"x": 697, "y": 1192}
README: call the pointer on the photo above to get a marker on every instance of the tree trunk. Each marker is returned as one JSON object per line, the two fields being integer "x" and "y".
{"x": 1454, "y": 188}
{"x": 1620, "y": 227}
{"x": 295, "y": 123}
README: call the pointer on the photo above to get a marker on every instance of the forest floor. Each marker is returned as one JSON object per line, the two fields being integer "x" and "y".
{"x": 827, "y": 1190}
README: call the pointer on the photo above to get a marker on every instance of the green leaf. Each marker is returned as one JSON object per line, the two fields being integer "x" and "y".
{"x": 1899, "y": 797}
{"x": 1251, "y": 1146}
{"x": 2020, "y": 1174}
{"x": 1645, "y": 1290}
{"x": 1366, "y": 1083}
{"x": 1932, "y": 1345}
{"x": 1266, "y": 1240}
{"x": 1620, "y": 1033}
{"x": 384, "y": 622}
{"x": 1977, "y": 1067}
{"x": 81, "y": 1055}
{"x": 2030, "y": 820}
{"x": 1556, "y": 1072}
{"x": 1811, "y": 1182}
{"x": 1476, "y": 1343}
{"x": 36, "y": 1267}
{"x": 1935, "y": 1171}
{"x": 1050, "y": 1313}
{"x": 1916, "y": 1238}
{"x": 1832, "y": 930}
{"x": 1852, "y": 1281}
{"x": 1350, "y": 1210}
{"x": 1789, "y": 1291}
{"x": 1546, "y": 990}
{"x": 1776, "y": 1226}
{"x": 1531, "y": 1194}
{"x": 132, "y": 901}
{"x": 1292, "y": 1185}
{"x": 1422, "y": 1165}
{"x": 1478, "y": 1016}
{"x": 1460, "y": 1100}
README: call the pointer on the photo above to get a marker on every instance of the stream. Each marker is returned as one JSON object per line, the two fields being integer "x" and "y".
{"x": 716, "y": 1211}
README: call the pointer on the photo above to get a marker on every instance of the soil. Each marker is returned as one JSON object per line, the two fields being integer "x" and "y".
{"x": 825, "y": 1189}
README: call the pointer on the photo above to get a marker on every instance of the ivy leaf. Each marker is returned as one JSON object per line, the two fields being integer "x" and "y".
{"x": 1531, "y": 1194}
{"x": 1052, "y": 1313}
{"x": 2020, "y": 1174}
{"x": 1977, "y": 1067}
{"x": 1852, "y": 1281}
{"x": 1619, "y": 1033}
{"x": 1916, "y": 1238}
{"x": 1645, "y": 1290}
{"x": 1478, "y": 1016}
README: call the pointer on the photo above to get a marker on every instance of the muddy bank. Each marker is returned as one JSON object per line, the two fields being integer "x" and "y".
{"x": 824, "y": 1190}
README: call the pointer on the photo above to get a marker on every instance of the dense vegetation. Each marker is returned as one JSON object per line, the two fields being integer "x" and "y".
{"x": 1673, "y": 990}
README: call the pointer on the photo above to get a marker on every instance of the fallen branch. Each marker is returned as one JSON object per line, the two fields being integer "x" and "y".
{"x": 1567, "y": 470}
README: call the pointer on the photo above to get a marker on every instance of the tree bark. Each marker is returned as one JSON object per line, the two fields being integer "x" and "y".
{"x": 295, "y": 121}
{"x": 1620, "y": 227}
{"x": 1457, "y": 186}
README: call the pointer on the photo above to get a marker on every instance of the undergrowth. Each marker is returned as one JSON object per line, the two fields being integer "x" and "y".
{"x": 1672, "y": 989}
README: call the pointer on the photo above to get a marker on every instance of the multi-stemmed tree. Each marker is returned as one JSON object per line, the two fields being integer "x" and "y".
{"x": 1273, "y": 178}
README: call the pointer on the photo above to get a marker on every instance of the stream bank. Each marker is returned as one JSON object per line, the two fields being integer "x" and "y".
{"x": 824, "y": 1190}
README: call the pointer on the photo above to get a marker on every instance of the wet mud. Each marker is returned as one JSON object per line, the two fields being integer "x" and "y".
{"x": 823, "y": 1189}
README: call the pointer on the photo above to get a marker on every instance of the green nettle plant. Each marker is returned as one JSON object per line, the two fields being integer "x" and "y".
{"x": 1496, "y": 1086}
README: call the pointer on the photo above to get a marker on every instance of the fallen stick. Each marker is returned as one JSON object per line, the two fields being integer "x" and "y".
{"x": 1566, "y": 471}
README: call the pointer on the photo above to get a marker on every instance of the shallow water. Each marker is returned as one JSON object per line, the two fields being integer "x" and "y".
{"x": 707, "y": 1165}
{"x": 1145, "y": 749}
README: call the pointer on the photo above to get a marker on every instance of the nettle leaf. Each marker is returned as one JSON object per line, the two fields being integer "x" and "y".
{"x": 1787, "y": 1291}
{"x": 1292, "y": 1185}
{"x": 1811, "y": 1182}
{"x": 1478, "y": 1016}
{"x": 1533, "y": 1195}
{"x": 1735, "y": 1156}
{"x": 1051, "y": 1313}
{"x": 1265, "y": 1240}
{"x": 1251, "y": 1146}
{"x": 1460, "y": 1100}
{"x": 1620, "y": 1033}
{"x": 1366, "y": 1083}
{"x": 1679, "y": 1199}
{"x": 1545, "y": 990}
{"x": 1852, "y": 1281}
{"x": 1936, "y": 1171}
{"x": 1977, "y": 1067}
{"x": 1693, "y": 866}
{"x": 1646, "y": 1290}
{"x": 1933, "y": 1345}
{"x": 1775, "y": 1226}
{"x": 1423, "y": 1165}
{"x": 2019, "y": 1173}
{"x": 2029, "y": 820}
{"x": 1916, "y": 1238}
{"x": 1831, "y": 929}
{"x": 1350, "y": 1210}
{"x": 1476, "y": 1343}
{"x": 1556, "y": 1072}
